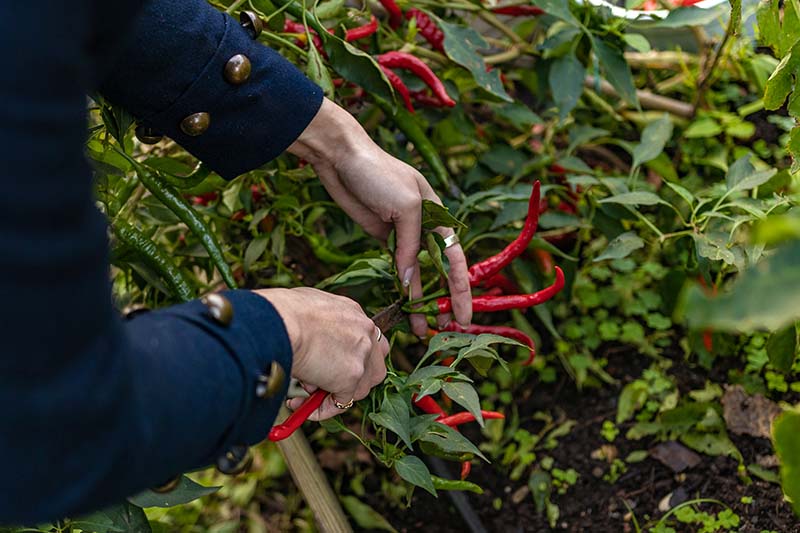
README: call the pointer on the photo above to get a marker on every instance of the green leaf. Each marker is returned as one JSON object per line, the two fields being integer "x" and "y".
{"x": 689, "y": 16}
{"x": 702, "y": 128}
{"x": 361, "y": 271}
{"x": 631, "y": 399}
{"x": 617, "y": 70}
{"x": 634, "y": 198}
{"x": 566, "y": 83}
{"x": 559, "y": 9}
{"x": 394, "y": 416}
{"x": 637, "y": 41}
{"x": 711, "y": 248}
{"x": 429, "y": 372}
{"x": 503, "y": 159}
{"x": 621, "y": 246}
{"x": 413, "y": 470}
{"x": 763, "y": 297}
{"x": 781, "y": 81}
{"x": 448, "y": 341}
{"x": 357, "y": 66}
{"x": 328, "y": 9}
{"x": 782, "y": 348}
{"x": 318, "y": 72}
{"x": 786, "y": 438}
{"x": 682, "y": 192}
{"x": 736, "y": 15}
{"x": 654, "y": 137}
{"x": 778, "y": 25}
{"x": 742, "y": 176}
{"x": 365, "y": 516}
{"x": 255, "y": 250}
{"x": 450, "y": 441}
{"x": 464, "y": 395}
{"x": 186, "y": 491}
{"x": 125, "y": 517}
{"x": 96, "y": 523}
{"x": 435, "y": 215}
{"x": 461, "y": 44}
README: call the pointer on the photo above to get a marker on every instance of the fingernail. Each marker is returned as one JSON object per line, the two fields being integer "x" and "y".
{"x": 407, "y": 275}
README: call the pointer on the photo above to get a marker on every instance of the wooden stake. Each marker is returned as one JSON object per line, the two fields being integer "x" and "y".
{"x": 312, "y": 483}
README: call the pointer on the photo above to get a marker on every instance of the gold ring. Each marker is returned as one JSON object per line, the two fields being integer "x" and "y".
{"x": 452, "y": 240}
{"x": 343, "y": 406}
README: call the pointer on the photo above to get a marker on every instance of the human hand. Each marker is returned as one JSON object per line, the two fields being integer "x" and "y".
{"x": 335, "y": 345}
{"x": 380, "y": 192}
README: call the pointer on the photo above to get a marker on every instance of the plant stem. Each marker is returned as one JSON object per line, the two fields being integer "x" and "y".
{"x": 234, "y": 6}
{"x": 494, "y": 21}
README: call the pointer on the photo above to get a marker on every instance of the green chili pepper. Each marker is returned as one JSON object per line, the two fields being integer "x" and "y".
{"x": 178, "y": 205}
{"x": 405, "y": 121}
{"x": 326, "y": 253}
{"x": 455, "y": 484}
{"x": 155, "y": 259}
{"x": 197, "y": 176}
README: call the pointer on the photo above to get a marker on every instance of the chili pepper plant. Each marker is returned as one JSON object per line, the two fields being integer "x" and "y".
{"x": 628, "y": 206}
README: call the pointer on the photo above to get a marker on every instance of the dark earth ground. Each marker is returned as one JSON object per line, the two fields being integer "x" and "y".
{"x": 593, "y": 504}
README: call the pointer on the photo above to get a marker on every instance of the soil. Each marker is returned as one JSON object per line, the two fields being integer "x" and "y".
{"x": 595, "y": 505}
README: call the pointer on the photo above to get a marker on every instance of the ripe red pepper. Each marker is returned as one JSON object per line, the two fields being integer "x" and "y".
{"x": 418, "y": 67}
{"x": 354, "y": 34}
{"x": 425, "y": 99}
{"x": 428, "y": 405}
{"x": 491, "y": 266}
{"x": 466, "y": 468}
{"x": 518, "y": 11}
{"x": 399, "y": 86}
{"x": 465, "y": 417}
{"x": 290, "y": 26}
{"x": 491, "y": 304}
{"x": 427, "y": 28}
{"x": 296, "y": 419}
{"x": 503, "y": 331}
{"x": 395, "y": 14}
{"x": 205, "y": 198}
{"x": 545, "y": 261}
{"x": 502, "y": 282}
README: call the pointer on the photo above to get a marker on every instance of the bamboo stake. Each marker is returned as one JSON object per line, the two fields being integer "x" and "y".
{"x": 647, "y": 99}
{"x": 312, "y": 483}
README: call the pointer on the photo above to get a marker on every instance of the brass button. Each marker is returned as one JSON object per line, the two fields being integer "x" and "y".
{"x": 219, "y": 308}
{"x": 237, "y": 69}
{"x": 271, "y": 384}
{"x": 147, "y": 135}
{"x": 196, "y": 124}
{"x": 252, "y": 23}
{"x": 169, "y": 486}
{"x": 235, "y": 461}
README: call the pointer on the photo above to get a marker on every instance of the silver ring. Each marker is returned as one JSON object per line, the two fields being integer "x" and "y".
{"x": 380, "y": 334}
{"x": 344, "y": 406}
{"x": 452, "y": 240}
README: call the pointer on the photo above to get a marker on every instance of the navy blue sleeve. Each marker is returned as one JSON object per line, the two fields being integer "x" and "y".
{"x": 94, "y": 408}
{"x": 173, "y": 66}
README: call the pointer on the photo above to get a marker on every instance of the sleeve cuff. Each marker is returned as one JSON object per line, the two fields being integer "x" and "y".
{"x": 256, "y": 337}
{"x": 243, "y": 124}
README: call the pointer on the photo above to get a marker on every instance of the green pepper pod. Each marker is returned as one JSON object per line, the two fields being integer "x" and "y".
{"x": 155, "y": 259}
{"x": 178, "y": 205}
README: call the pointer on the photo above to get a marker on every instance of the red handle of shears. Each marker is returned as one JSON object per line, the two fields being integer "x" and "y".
{"x": 300, "y": 415}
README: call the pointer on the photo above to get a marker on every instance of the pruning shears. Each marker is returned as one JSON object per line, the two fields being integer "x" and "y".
{"x": 385, "y": 320}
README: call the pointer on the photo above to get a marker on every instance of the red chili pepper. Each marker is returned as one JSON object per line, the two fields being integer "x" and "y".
{"x": 491, "y": 304}
{"x": 428, "y": 405}
{"x": 545, "y": 261}
{"x": 466, "y": 468}
{"x": 518, "y": 11}
{"x": 465, "y": 417}
{"x": 238, "y": 215}
{"x": 395, "y": 14}
{"x": 354, "y": 34}
{"x": 291, "y": 26}
{"x": 503, "y": 331}
{"x": 502, "y": 282}
{"x": 418, "y": 67}
{"x": 399, "y": 86}
{"x": 205, "y": 198}
{"x": 495, "y": 291}
{"x": 491, "y": 266}
{"x": 427, "y": 28}
{"x": 425, "y": 99}
{"x": 296, "y": 419}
